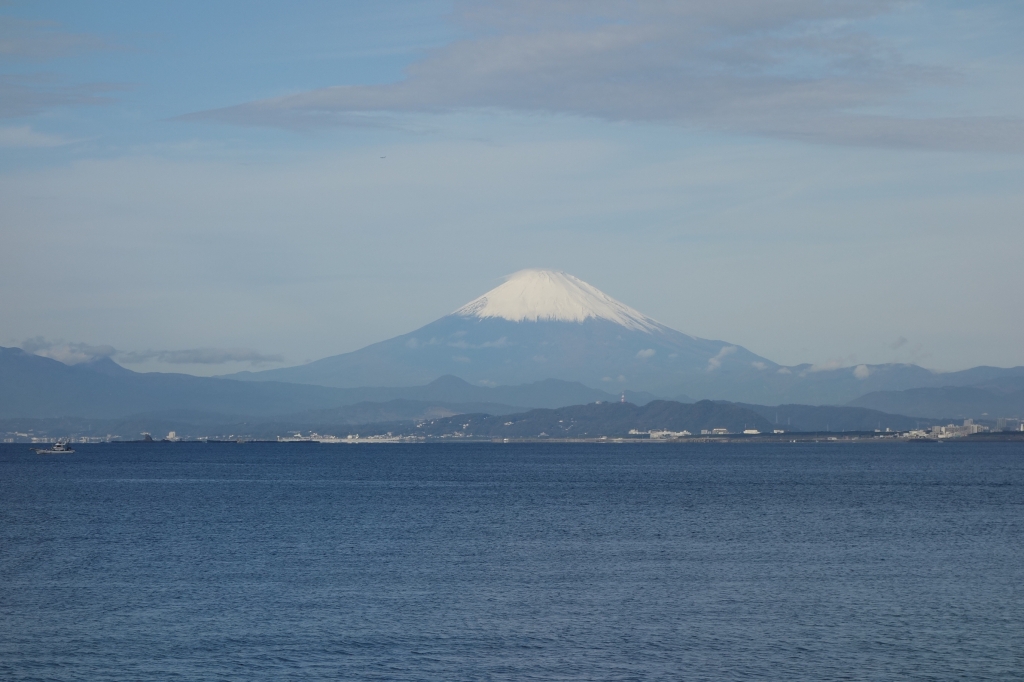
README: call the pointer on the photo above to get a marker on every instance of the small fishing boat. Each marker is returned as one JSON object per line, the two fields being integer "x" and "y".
{"x": 61, "y": 447}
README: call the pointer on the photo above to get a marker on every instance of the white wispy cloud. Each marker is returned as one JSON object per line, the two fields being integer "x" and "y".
{"x": 72, "y": 353}
{"x": 40, "y": 40}
{"x": 31, "y": 41}
{"x": 716, "y": 362}
{"x": 26, "y": 137}
{"x": 199, "y": 356}
{"x": 801, "y": 69}
{"x": 29, "y": 94}
{"x": 827, "y": 366}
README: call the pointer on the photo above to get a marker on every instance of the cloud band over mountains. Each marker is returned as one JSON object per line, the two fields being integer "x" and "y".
{"x": 797, "y": 69}
{"x": 200, "y": 356}
{"x": 74, "y": 353}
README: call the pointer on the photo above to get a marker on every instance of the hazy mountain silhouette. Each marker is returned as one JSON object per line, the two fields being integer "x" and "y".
{"x": 960, "y": 402}
{"x": 34, "y": 386}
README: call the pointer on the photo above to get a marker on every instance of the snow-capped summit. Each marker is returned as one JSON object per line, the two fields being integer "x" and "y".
{"x": 550, "y": 295}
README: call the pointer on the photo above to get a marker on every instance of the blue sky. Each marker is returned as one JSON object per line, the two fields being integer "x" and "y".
{"x": 201, "y": 186}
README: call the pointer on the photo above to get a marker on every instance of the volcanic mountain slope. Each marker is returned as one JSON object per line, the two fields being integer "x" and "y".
{"x": 539, "y": 324}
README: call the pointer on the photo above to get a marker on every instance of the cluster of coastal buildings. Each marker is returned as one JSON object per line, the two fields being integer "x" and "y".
{"x": 314, "y": 437}
{"x": 668, "y": 435}
{"x": 968, "y": 428}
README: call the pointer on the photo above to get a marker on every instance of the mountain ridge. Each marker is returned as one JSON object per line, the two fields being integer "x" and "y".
{"x": 961, "y": 402}
{"x": 33, "y": 386}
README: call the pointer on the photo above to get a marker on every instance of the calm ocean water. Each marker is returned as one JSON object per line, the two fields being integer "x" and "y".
{"x": 513, "y": 562}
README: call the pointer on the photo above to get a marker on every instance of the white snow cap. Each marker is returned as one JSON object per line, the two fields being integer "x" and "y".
{"x": 534, "y": 295}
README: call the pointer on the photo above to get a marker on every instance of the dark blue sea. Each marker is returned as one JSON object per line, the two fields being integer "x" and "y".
{"x": 513, "y": 562}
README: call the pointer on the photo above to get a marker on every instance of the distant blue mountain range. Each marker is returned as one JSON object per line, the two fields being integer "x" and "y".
{"x": 35, "y": 387}
{"x": 96, "y": 398}
{"x": 543, "y": 339}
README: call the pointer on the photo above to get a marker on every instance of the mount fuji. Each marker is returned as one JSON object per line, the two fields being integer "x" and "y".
{"x": 538, "y": 324}
{"x": 545, "y": 324}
